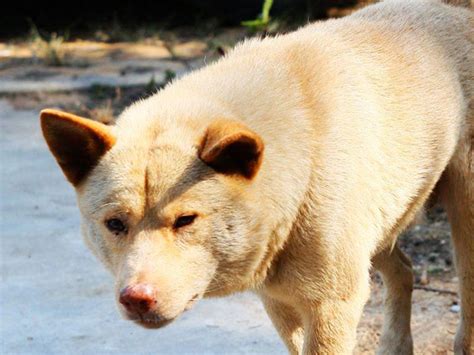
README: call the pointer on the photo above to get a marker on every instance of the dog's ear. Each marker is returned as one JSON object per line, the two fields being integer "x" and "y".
{"x": 77, "y": 143}
{"x": 231, "y": 148}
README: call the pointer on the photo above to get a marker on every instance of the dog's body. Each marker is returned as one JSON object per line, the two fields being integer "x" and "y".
{"x": 287, "y": 167}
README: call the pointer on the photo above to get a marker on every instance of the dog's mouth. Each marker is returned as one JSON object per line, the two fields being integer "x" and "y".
{"x": 152, "y": 322}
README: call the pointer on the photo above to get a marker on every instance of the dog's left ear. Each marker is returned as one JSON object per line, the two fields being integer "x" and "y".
{"x": 231, "y": 148}
{"x": 77, "y": 143}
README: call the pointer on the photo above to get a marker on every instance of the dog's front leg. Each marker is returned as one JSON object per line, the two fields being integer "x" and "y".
{"x": 331, "y": 324}
{"x": 287, "y": 322}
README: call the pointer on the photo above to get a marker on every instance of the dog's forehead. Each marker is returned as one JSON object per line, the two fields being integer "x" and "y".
{"x": 170, "y": 172}
{"x": 143, "y": 176}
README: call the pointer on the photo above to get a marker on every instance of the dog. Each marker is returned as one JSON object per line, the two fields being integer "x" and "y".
{"x": 288, "y": 167}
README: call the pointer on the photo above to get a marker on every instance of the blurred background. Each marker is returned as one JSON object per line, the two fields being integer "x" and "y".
{"x": 94, "y": 59}
{"x": 79, "y": 17}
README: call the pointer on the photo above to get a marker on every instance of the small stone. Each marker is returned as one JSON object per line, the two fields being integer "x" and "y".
{"x": 455, "y": 308}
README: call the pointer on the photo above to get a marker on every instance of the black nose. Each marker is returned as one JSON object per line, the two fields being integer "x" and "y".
{"x": 138, "y": 299}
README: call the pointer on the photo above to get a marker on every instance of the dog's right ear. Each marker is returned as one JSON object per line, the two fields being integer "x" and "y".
{"x": 77, "y": 143}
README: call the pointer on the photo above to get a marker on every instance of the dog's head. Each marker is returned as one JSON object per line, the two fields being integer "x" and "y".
{"x": 171, "y": 213}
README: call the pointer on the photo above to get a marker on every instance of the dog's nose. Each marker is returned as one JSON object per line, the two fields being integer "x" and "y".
{"x": 138, "y": 298}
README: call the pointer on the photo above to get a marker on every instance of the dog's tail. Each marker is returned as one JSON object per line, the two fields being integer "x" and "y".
{"x": 463, "y": 3}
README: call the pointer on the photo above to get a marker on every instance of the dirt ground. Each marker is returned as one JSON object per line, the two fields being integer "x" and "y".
{"x": 435, "y": 311}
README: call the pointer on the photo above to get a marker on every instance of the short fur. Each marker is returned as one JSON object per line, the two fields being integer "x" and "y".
{"x": 303, "y": 157}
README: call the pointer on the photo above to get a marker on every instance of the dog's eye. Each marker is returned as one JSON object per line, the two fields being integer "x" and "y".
{"x": 184, "y": 221}
{"x": 115, "y": 225}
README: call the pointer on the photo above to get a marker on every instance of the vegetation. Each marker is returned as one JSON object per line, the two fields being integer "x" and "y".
{"x": 262, "y": 22}
{"x": 50, "y": 49}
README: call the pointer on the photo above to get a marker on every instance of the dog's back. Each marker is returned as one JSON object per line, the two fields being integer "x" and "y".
{"x": 449, "y": 29}
{"x": 431, "y": 34}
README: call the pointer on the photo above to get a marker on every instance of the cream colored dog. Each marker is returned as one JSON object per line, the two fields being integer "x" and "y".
{"x": 289, "y": 167}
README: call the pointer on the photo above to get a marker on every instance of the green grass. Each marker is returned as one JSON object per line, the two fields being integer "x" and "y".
{"x": 262, "y": 22}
